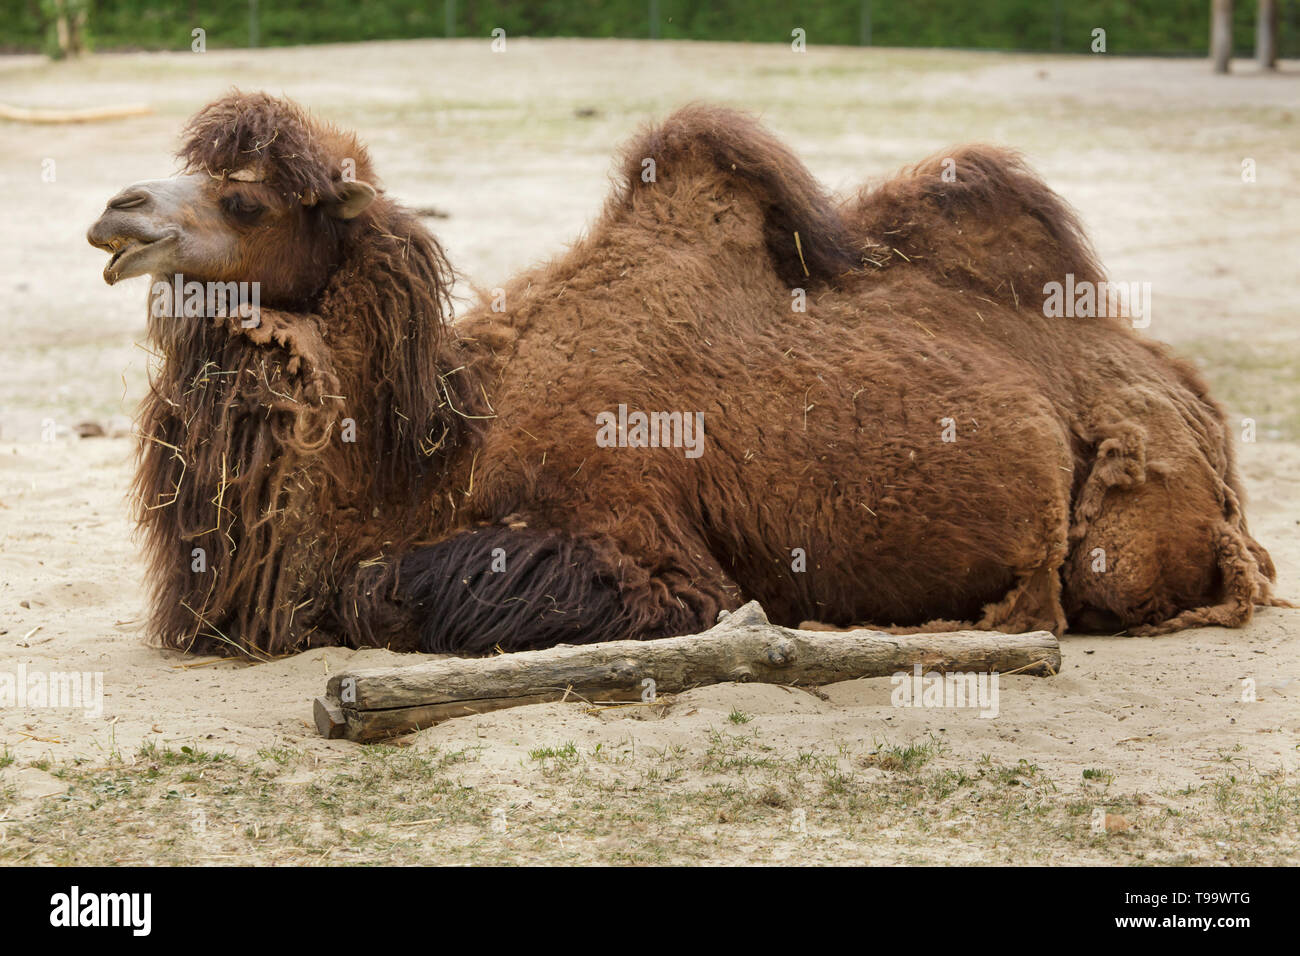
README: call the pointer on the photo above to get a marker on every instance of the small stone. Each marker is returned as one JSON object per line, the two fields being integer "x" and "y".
{"x": 1117, "y": 824}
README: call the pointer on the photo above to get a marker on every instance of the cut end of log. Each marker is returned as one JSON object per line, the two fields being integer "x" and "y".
{"x": 329, "y": 718}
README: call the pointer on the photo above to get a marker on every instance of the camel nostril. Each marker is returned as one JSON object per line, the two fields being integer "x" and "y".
{"x": 93, "y": 238}
{"x": 128, "y": 199}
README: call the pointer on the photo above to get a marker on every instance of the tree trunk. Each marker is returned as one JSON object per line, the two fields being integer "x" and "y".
{"x": 1266, "y": 35}
{"x": 1221, "y": 35}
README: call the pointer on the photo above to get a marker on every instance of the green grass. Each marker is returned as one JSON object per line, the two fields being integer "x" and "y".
{"x": 907, "y": 759}
{"x": 1177, "y": 26}
{"x": 738, "y": 798}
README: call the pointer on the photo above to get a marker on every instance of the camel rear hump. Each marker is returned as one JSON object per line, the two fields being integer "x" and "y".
{"x": 977, "y": 217}
{"x": 803, "y": 230}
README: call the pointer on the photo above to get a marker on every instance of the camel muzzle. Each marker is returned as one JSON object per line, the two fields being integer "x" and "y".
{"x": 138, "y": 228}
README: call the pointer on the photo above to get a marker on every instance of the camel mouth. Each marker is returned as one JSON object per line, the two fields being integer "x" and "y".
{"x": 129, "y": 256}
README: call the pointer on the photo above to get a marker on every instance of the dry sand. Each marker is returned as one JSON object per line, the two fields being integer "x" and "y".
{"x": 219, "y": 762}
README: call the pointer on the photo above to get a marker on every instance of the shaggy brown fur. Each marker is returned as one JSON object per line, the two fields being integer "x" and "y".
{"x": 244, "y": 455}
{"x": 476, "y": 510}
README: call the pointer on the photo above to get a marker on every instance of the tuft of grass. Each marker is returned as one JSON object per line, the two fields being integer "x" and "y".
{"x": 284, "y": 756}
{"x": 165, "y": 756}
{"x": 1021, "y": 773}
{"x": 568, "y": 753}
{"x": 907, "y": 759}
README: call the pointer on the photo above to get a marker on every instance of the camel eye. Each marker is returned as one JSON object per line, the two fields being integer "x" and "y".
{"x": 242, "y": 207}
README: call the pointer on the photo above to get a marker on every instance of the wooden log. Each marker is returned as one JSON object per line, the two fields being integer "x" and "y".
{"x": 369, "y": 705}
{"x": 89, "y": 115}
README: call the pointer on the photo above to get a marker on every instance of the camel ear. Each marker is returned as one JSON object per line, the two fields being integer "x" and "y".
{"x": 352, "y": 200}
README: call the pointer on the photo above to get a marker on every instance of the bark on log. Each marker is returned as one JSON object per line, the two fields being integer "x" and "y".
{"x": 369, "y": 705}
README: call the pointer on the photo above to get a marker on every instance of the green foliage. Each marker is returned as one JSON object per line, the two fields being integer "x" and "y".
{"x": 1132, "y": 26}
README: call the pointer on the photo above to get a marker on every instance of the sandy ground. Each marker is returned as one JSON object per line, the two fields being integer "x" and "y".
{"x": 218, "y": 762}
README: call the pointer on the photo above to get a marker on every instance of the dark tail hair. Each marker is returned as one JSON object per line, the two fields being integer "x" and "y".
{"x": 492, "y": 588}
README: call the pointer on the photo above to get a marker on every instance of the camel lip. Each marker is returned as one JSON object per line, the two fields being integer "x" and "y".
{"x": 126, "y": 254}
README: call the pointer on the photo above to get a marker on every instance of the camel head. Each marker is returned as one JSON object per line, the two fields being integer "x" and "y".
{"x": 267, "y": 194}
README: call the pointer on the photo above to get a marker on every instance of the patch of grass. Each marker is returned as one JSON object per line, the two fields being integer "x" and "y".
{"x": 557, "y": 761}
{"x": 1228, "y": 756}
{"x": 186, "y": 755}
{"x": 1021, "y": 773}
{"x": 728, "y": 753}
{"x": 739, "y": 716}
{"x": 567, "y": 753}
{"x": 284, "y": 756}
{"x": 906, "y": 759}
{"x": 734, "y": 798}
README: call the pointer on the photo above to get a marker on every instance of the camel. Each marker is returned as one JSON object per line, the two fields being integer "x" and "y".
{"x": 732, "y": 387}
